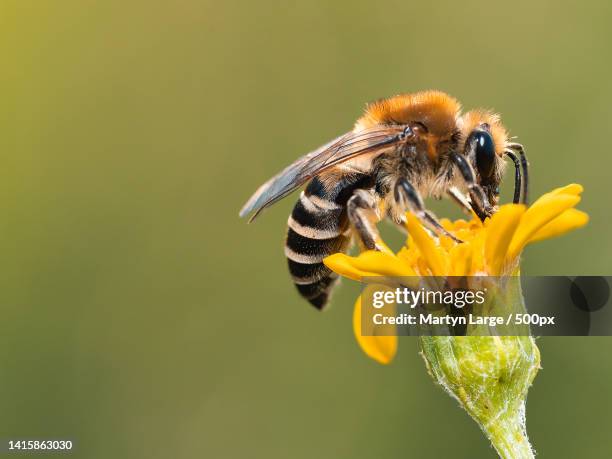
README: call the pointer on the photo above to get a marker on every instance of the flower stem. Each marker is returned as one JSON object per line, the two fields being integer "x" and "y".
{"x": 509, "y": 437}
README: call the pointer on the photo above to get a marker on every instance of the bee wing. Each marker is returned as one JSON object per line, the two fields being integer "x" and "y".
{"x": 339, "y": 150}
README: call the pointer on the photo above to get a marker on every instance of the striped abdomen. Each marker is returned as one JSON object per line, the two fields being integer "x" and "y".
{"x": 317, "y": 228}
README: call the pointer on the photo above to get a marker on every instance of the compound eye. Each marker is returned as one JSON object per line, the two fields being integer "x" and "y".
{"x": 485, "y": 153}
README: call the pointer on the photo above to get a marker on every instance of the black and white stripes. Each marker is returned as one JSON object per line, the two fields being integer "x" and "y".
{"x": 317, "y": 228}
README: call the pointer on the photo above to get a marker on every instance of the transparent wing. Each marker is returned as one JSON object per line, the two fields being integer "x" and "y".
{"x": 337, "y": 151}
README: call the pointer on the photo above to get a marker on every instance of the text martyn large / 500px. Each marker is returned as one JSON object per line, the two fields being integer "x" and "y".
{"x": 470, "y": 319}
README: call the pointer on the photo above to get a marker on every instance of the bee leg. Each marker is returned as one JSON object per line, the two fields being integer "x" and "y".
{"x": 525, "y": 166}
{"x": 479, "y": 201}
{"x": 461, "y": 200}
{"x": 408, "y": 197}
{"x": 362, "y": 212}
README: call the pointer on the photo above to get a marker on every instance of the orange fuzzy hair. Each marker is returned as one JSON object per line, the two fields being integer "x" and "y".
{"x": 473, "y": 119}
{"x": 435, "y": 109}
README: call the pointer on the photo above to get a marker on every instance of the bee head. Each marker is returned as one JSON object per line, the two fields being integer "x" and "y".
{"x": 483, "y": 141}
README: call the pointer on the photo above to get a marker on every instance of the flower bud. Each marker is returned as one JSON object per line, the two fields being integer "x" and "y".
{"x": 489, "y": 376}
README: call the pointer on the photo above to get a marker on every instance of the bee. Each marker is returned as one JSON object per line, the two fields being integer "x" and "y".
{"x": 402, "y": 149}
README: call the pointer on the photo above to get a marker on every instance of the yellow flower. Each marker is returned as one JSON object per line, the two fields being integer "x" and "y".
{"x": 490, "y": 248}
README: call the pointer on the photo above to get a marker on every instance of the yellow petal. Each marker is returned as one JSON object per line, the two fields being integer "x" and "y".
{"x": 573, "y": 188}
{"x": 345, "y": 266}
{"x": 435, "y": 258}
{"x": 446, "y": 242}
{"x": 461, "y": 259}
{"x": 384, "y": 264}
{"x": 500, "y": 230}
{"x": 380, "y": 348}
{"x": 368, "y": 264}
{"x": 478, "y": 262}
{"x": 568, "y": 221}
{"x": 543, "y": 211}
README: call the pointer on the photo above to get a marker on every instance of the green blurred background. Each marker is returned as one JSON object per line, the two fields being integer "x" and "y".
{"x": 142, "y": 318}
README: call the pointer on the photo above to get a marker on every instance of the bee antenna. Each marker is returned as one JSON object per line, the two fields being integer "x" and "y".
{"x": 517, "y": 175}
{"x": 517, "y": 147}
